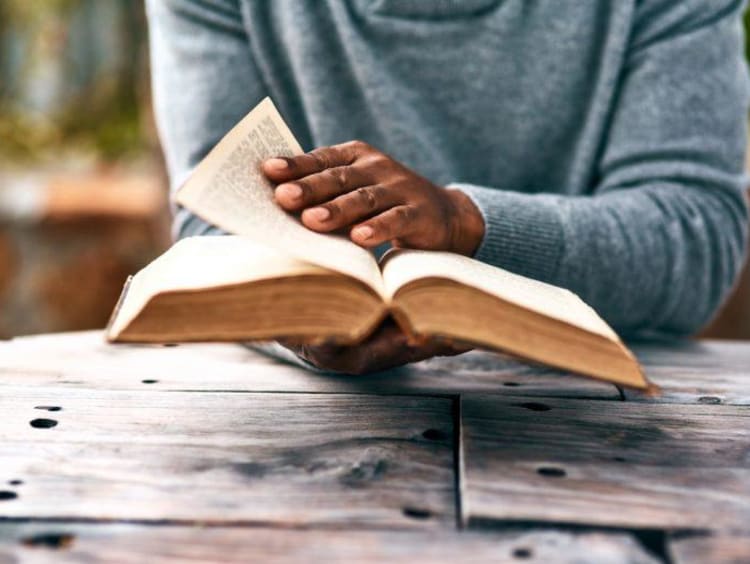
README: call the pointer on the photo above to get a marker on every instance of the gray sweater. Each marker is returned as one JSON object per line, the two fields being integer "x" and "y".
{"x": 602, "y": 140}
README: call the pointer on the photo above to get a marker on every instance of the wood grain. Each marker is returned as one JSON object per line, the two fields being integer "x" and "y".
{"x": 258, "y": 452}
{"x": 615, "y": 464}
{"x": 705, "y": 372}
{"x": 720, "y": 548}
{"x": 85, "y": 360}
{"x": 158, "y": 544}
{"x": 289, "y": 460}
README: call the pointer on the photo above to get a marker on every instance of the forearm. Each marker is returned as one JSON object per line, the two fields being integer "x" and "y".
{"x": 660, "y": 257}
{"x": 658, "y": 238}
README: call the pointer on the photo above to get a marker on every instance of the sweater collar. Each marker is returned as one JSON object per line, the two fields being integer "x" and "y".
{"x": 428, "y": 9}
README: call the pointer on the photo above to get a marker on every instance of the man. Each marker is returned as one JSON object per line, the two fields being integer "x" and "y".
{"x": 596, "y": 145}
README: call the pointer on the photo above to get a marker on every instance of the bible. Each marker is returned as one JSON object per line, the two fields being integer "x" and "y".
{"x": 272, "y": 278}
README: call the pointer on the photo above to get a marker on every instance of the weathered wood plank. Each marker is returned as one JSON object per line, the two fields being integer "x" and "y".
{"x": 292, "y": 460}
{"x": 616, "y": 464}
{"x": 158, "y": 544}
{"x": 727, "y": 548}
{"x": 84, "y": 360}
{"x": 707, "y": 372}
{"x": 709, "y": 356}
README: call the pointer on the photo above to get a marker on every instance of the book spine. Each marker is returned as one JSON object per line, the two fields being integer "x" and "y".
{"x": 402, "y": 320}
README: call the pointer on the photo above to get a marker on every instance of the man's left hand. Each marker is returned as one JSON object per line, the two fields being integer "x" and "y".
{"x": 387, "y": 348}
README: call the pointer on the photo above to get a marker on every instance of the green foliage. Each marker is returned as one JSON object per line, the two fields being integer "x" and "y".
{"x": 99, "y": 110}
{"x": 23, "y": 12}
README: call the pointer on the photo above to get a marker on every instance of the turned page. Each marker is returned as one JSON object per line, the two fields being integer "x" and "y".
{"x": 198, "y": 263}
{"x": 228, "y": 190}
{"x": 404, "y": 266}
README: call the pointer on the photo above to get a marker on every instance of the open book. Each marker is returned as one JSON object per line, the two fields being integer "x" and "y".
{"x": 276, "y": 279}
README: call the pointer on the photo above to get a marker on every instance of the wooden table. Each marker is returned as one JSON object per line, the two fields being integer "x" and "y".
{"x": 216, "y": 453}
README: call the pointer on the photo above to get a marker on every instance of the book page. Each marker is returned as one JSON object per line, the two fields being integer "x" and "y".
{"x": 228, "y": 190}
{"x": 196, "y": 263}
{"x": 404, "y": 266}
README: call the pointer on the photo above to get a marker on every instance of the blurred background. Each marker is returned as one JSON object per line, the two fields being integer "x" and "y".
{"x": 82, "y": 186}
{"x": 82, "y": 189}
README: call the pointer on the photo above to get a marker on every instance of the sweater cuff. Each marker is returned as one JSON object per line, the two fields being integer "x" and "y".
{"x": 186, "y": 224}
{"x": 523, "y": 233}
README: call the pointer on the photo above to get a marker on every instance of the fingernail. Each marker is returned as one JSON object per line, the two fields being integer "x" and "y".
{"x": 319, "y": 214}
{"x": 291, "y": 191}
{"x": 278, "y": 164}
{"x": 364, "y": 232}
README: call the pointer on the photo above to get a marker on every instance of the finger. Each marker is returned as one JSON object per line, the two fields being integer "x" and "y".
{"x": 301, "y": 347}
{"x": 351, "y": 208}
{"x": 380, "y": 354}
{"x": 394, "y": 223}
{"x": 386, "y": 348}
{"x": 444, "y": 347}
{"x": 394, "y": 350}
{"x": 320, "y": 187}
{"x": 453, "y": 349}
{"x": 283, "y": 169}
{"x": 386, "y": 341}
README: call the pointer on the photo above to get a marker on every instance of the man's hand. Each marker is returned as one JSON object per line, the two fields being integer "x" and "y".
{"x": 357, "y": 188}
{"x": 386, "y": 348}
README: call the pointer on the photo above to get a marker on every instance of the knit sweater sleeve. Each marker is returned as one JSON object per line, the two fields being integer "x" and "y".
{"x": 660, "y": 239}
{"x": 204, "y": 80}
